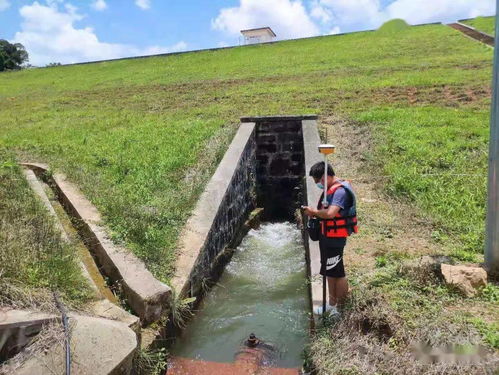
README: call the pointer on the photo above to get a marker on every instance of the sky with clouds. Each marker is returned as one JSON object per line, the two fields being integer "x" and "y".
{"x": 68, "y": 31}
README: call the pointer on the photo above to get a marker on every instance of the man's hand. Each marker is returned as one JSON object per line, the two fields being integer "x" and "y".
{"x": 309, "y": 211}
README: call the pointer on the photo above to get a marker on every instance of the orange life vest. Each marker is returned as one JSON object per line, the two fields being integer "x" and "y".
{"x": 341, "y": 225}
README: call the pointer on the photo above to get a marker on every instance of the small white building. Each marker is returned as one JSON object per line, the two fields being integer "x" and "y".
{"x": 259, "y": 35}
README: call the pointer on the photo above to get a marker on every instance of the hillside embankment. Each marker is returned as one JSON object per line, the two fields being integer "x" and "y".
{"x": 142, "y": 137}
{"x": 401, "y": 318}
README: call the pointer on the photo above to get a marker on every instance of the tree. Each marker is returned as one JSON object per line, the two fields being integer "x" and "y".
{"x": 12, "y": 56}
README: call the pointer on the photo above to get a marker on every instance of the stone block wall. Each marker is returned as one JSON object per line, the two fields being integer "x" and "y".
{"x": 220, "y": 213}
{"x": 279, "y": 165}
{"x": 263, "y": 167}
{"x": 237, "y": 203}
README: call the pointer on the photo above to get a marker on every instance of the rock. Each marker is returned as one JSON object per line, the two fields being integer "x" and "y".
{"x": 466, "y": 279}
{"x": 98, "y": 347}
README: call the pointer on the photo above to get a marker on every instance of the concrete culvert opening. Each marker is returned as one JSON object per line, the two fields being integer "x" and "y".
{"x": 279, "y": 165}
{"x": 264, "y": 289}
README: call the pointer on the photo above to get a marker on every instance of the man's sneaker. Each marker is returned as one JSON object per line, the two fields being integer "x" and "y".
{"x": 332, "y": 310}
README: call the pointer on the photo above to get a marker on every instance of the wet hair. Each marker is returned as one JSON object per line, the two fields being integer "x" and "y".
{"x": 317, "y": 170}
{"x": 252, "y": 341}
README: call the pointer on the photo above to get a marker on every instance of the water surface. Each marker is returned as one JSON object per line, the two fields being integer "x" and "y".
{"x": 263, "y": 290}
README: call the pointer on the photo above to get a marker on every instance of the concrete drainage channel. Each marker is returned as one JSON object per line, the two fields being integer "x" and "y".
{"x": 473, "y": 33}
{"x": 93, "y": 337}
{"x": 265, "y": 166}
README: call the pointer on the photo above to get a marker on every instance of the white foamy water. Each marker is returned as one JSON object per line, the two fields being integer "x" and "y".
{"x": 263, "y": 290}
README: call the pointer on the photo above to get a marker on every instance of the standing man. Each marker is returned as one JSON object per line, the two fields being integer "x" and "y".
{"x": 337, "y": 221}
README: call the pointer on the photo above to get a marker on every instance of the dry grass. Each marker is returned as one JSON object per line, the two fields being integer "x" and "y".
{"x": 33, "y": 258}
{"x": 50, "y": 336}
{"x": 371, "y": 338}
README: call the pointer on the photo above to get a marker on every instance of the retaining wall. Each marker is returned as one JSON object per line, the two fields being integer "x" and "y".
{"x": 311, "y": 196}
{"x": 219, "y": 214}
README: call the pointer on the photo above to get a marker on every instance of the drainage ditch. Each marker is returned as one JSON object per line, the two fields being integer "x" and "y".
{"x": 84, "y": 254}
{"x": 269, "y": 287}
{"x": 266, "y": 288}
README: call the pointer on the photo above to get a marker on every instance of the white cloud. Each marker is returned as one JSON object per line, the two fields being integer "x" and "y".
{"x": 367, "y": 14}
{"x": 4, "y": 4}
{"x": 144, "y": 4}
{"x": 319, "y": 12}
{"x": 421, "y": 11}
{"x": 99, "y": 5}
{"x": 288, "y": 18}
{"x": 334, "y": 30}
{"x": 49, "y": 35}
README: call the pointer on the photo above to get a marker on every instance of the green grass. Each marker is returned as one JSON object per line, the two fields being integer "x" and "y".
{"x": 484, "y": 24}
{"x": 437, "y": 158}
{"x": 141, "y": 137}
{"x": 393, "y": 27}
{"x": 33, "y": 259}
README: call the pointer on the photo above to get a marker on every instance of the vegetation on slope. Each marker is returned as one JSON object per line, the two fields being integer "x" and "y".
{"x": 33, "y": 259}
{"x": 141, "y": 137}
{"x": 484, "y": 24}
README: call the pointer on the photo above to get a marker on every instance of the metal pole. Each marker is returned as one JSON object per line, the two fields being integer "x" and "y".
{"x": 324, "y": 200}
{"x": 325, "y": 205}
{"x": 325, "y": 149}
{"x": 492, "y": 242}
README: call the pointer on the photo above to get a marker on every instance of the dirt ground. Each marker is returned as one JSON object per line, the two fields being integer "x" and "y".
{"x": 387, "y": 225}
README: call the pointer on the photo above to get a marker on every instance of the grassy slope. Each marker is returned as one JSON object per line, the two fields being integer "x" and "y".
{"x": 141, "y": 136}
{"x": 484, "y": 24}
{"x": 33, "y": 260}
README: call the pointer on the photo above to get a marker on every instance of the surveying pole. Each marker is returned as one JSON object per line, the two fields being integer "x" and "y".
{"x": 325, "y": 150}
{"x": 492, "y": 242}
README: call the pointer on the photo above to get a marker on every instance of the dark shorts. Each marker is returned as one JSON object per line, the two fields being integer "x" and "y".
{"x": 332, "y": 257}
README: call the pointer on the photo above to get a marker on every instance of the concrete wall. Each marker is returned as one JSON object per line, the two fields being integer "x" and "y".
{"x": 265, "y": 166}
{"x": 219, "y": 214}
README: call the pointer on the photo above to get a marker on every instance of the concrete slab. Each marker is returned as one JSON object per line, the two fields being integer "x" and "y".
{"x": 108, "y": 310}
{"x": 147, "y": 296}
{"x": 278, "y": 118}
{"x": 18, "y": 327}
{"x": 98, "y": 346}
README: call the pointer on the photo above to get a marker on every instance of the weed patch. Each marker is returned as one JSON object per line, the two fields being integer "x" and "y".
{"x": 32, "y": 255}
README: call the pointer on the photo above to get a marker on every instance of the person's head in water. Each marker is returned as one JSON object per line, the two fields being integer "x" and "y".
{"x": 252, "y": 341}
{"x": 317, "y": 173}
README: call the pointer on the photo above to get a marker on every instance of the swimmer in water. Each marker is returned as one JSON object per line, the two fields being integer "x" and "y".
{"x": 254, "y": 342}
{"x": 255, "y": 353}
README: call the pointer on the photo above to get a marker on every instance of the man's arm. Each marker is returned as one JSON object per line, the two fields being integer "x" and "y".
{"x": 328, "y": 213}
{"x": 338, "y": 202}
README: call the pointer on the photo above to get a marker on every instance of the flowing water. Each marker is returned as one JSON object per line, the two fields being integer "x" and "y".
{"x": 263, "y": 291}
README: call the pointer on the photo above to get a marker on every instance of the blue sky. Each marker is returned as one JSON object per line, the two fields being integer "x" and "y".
{"x": 83, "y": 30}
